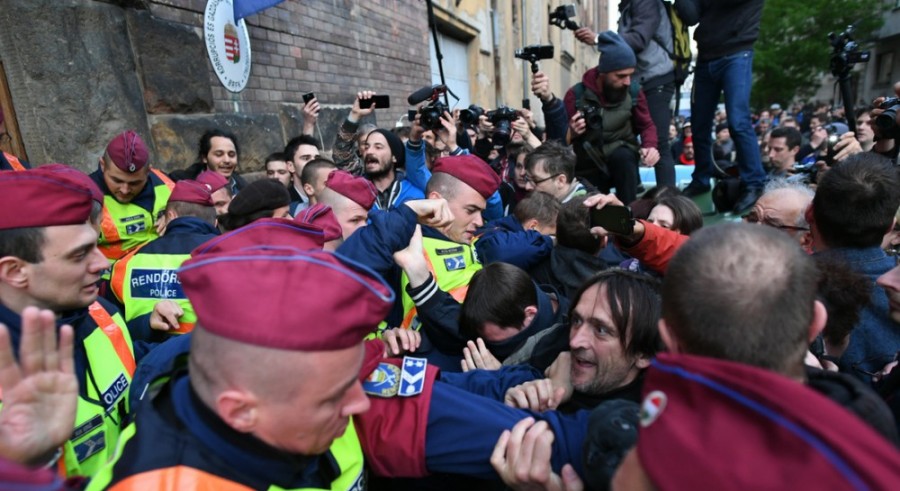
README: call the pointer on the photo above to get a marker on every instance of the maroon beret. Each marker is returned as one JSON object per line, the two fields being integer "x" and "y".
{"x": 128, "y": 151}
{"x": 75, "y": 176}
{"x": 189, "y": 191}
{"x": 286, "y": 298}
{"x": 751, "y": 428}
{"x": 470, "y": 170}
{"x": 321, "y": 216}
{"x": 212, "y": 180}
{"x": 265, "y": 232}
{"x": 34, "y": 198}
{"x": 358, "y": 189}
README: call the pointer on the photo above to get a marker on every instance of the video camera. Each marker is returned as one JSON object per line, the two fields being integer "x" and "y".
{"x": 845, "y": 52}
{"x": 561, "y": 17}
{"x": 532, "y": 54}
{"x": 429, "y": 115}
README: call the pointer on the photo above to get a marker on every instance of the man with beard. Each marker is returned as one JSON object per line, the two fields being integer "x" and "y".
{"x": 605, "y": 116}
{"x": 383, "y": 151}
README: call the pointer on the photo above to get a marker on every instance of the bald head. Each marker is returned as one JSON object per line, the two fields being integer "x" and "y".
{"x": 743, "y": 293}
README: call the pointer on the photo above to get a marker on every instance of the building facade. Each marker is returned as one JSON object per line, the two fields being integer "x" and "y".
{"x": 80, "y": 71}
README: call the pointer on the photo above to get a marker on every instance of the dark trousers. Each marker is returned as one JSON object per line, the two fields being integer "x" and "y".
{"x": 621, "y": 165}
{"x": 658, "y": 100}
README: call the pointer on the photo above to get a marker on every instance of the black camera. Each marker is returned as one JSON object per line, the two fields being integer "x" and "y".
{"x": 430, "y": 114}
{"x": 470, "y": 116}
{"x": 534, "y": 53}
{"x": 886, "y": 122}
{"x": 502, "y": 119}
{"x": 593, "y": 117}
{"x": 562, "y": 17}
{"x": 845, "y": 52}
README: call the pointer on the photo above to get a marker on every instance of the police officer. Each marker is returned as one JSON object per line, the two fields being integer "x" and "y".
{"x": 145, "y": 282}
{"x": 269, "y": 391}
{"x": 350, "y": 198}
{"x": 135, "y": 195}
{"x": 49, "y": 259}
{"x": 466, "y": 182}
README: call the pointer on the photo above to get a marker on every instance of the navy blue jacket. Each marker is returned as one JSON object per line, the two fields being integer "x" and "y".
{"x": 183, "y": 235}
{"x": 505, "y": 240}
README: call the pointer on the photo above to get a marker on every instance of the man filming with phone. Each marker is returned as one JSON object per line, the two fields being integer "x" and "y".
{"x": 606, "y": 114}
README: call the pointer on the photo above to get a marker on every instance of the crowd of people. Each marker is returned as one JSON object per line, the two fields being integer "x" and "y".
{"x": 441, "y": 306}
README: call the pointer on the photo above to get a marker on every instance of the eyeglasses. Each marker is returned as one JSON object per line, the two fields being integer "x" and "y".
{"x": 538, "y": 181}
{"x": 753, "y": 217}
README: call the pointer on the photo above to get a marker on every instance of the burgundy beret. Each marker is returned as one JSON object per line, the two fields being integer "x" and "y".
{"x": 75, "y": 176}
{"x": 358, "y": 189}
{"x": 265, "y": 232}
{"x": 321, "y": 216}
{"x": 470, "y": 170}
{"x": 286, "y": 298}
{"x": 128, "y": 151}
{"x": 752, "y": 429}
{"x": 189, "y": 191}
{"x": 34, "y": 198}
{"x": 212, "y": 180}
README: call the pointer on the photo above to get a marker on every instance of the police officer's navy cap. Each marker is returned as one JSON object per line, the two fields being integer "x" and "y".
{"x": 35, "y": 198}
{"x": 212, "y": 180}
{"x": 321, "y": 216}
{"x": 75, "y": 176}
{"x": 190, "y": 191}
{"x": 265, "y": 232}
{"x": 128, "y": 151}
{"x": 286, "y": 298}
{"x": 470, "y": 170}
{"x": 752, "y": 428}
{"x": 358, "y": 189}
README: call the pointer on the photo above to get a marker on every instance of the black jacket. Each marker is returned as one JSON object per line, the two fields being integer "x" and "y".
{"x": 725, "y": 26}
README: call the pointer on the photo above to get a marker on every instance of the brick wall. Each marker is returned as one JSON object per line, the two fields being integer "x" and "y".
{"x": 332, "y": 48}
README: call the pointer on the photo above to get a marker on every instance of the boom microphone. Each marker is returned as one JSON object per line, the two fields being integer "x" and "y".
{"x": 424, "y": 94}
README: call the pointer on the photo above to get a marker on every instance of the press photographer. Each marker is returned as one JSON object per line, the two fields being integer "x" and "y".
{"x": 606, "y": 115}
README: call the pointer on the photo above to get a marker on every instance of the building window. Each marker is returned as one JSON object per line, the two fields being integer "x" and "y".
{"x": 456, "y": 68}
{"x": 885, "y": 67}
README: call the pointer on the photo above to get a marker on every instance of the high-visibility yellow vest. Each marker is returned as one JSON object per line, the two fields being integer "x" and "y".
{"x": 452, "y": 265}
{"x": 346, "y": 450}
{"x": 139, "y": 281}
{"x": 101, "y": 411}
{"x": 125, "y": 226}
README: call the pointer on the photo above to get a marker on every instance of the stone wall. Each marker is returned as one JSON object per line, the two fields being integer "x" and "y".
{"x": 80, "y": 71}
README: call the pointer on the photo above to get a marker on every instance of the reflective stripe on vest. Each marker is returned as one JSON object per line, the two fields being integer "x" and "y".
{"x": 140, "y": 280}
{"x": 346, "y": 450}
{"x": 453, "y": 276}
{"x": 116, "y": 335}
{"x": 124, "y": 226}
{"x": 14, "y": 162}
{"x": 104, "y": 407}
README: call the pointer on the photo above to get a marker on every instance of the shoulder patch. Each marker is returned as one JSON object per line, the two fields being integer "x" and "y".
{"x": 384, "y": 381}
{"x": 412, "y": 378}
{"x": 653, "y": 406}
{"x": 455, "y": 263}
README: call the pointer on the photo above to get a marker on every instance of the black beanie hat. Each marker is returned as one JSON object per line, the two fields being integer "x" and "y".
{"x": 396, "y": 145}
{"x": 263, "y": 194}
{"x": 612, "y": 431}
